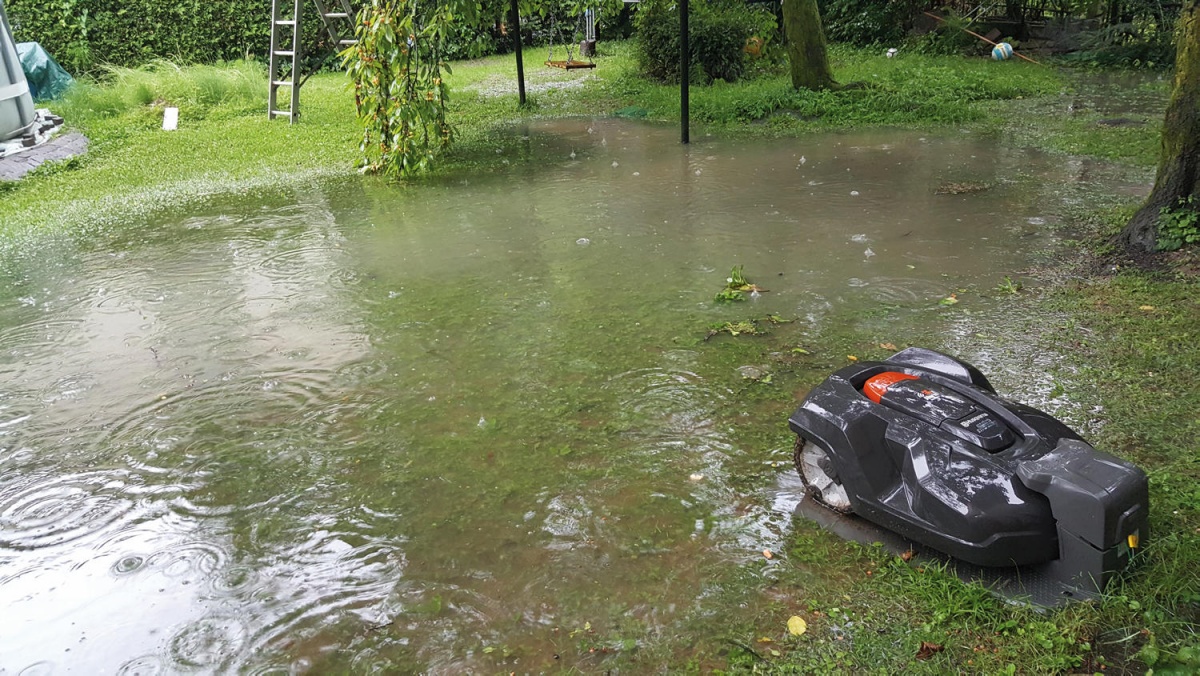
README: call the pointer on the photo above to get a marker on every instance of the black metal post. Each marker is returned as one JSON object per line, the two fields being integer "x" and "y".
{"x": 684, "y": 68}
{"x": 516, "y": 29}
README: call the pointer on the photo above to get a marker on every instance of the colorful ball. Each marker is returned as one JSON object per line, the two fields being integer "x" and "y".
{"x": 1002, "y": 51}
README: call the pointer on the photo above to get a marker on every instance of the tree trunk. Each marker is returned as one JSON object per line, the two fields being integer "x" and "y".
{"x": 1179, "y": 159}
{"x": 806, "y": 48}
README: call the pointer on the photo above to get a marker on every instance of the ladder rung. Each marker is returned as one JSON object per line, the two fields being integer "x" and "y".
{"x": 336, "y": 15}
{"x": 286, "y": 23}
{"x": 284, "y": 53}
{"x": 282, "y": 112}
{"x": 282, "y": 83}
{"x": 347, "y": 43}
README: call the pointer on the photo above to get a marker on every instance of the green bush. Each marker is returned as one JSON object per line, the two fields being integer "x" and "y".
{"x": 84, "y": 34}
{"x": 1127, "y": 45}
{"x": 863, "y": 23}
{"x": 718, "y": 30}
{"x": 948, "y": 39}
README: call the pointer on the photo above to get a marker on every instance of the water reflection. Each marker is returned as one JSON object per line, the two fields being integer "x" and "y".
{"x": 429, "y": 430}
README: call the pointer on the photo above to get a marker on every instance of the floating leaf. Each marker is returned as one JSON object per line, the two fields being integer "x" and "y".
{"x": 797, "y": 625}
{"x": 800, "y": 350}
{"x": 949, "y": 300}
{"x": 1147, "y": 308}
{"x": 489, "y": 650}
{"x": 887, "y": 346}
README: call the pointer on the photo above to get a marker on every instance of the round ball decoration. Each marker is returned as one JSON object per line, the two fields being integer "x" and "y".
{"x": 1002, "y": 51}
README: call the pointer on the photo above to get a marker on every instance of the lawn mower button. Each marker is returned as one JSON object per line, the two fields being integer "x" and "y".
{"x": 982, "y": 429}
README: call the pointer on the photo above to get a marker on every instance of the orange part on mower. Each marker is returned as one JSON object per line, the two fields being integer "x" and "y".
{"x": 877, "y": 385}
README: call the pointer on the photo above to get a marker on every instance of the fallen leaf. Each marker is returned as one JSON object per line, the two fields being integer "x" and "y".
{"x": 928, "y": 650}
{"x": 766, "y": 639}
{"x": 775, "y": 653}
{"x": 800, "y": 350}
{"x": 949, "y": 300}
{"x": 907, "y": 556}
{"x": 797, "y": 625}
{"x": 767, "y": 553}
{"x": 1147, "y": 308}
{"x": 851, "y": 357}
{"x": 887, "y": 346}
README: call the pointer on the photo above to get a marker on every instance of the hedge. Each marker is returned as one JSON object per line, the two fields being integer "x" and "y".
{"x": 82, "y": 34}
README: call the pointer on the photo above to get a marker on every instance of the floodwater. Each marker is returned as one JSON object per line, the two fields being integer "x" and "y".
{"x": 474, "y": 425}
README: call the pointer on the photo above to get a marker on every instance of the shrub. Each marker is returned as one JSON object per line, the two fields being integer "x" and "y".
{"x": 83, "y": 34}
{"x": 1126, "y": 45}
{"x": 948, "y": 39}
{"x": 865, "y": 22}
{"x": 718, "y": 30}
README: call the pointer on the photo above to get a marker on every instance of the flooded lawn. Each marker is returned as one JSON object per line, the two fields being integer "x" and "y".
{"x": 475, "y": 425}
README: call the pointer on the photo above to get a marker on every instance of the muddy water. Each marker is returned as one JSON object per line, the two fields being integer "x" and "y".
{"x": 473, "y": 425}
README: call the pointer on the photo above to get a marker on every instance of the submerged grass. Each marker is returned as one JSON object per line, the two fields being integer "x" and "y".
{"x": 225, "y": 141}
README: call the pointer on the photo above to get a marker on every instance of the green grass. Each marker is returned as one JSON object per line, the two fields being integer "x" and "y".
{"x": 225, "y": 143}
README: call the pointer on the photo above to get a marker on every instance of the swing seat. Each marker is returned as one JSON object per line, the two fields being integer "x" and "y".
{"x": 570, "y": 64}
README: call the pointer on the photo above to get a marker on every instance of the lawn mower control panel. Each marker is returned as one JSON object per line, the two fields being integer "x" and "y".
{"x": 941, "y": 407}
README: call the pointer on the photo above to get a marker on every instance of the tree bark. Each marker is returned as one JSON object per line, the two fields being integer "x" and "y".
{"x": 1178, "y": 175}
{"x": 806, "y": 48}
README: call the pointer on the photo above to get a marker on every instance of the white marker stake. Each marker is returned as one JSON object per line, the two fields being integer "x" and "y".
{"x": 170, "y": 119}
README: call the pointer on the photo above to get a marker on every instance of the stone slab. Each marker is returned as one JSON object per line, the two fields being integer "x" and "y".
{"x": 14, "y": 167}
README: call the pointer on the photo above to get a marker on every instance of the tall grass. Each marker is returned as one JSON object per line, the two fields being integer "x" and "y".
{"x": 228, "y": 89}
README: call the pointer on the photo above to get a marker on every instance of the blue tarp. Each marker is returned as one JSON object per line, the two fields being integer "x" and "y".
{"x": 47, "y": 79}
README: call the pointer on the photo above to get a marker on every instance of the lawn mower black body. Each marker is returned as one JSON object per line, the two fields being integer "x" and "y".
{"x": 923, "y": 446}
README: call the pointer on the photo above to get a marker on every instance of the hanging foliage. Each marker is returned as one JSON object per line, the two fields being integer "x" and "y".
{"x": 397, "y": 66}
{"x": 396, "y": 69}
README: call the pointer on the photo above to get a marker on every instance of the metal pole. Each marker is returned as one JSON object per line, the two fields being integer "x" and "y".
{"x": 684, "y": 69}
{"x": 516, "y": 20}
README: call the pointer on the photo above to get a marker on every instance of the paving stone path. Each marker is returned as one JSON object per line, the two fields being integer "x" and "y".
{"x": 14, "y": 167}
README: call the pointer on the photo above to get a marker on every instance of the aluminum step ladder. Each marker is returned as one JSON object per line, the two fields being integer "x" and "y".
{"x": 287, "y": 53}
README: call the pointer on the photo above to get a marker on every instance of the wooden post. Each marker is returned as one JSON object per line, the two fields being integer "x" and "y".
{"x": 684, "y": 69}
{"x": 516, "y": 25}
